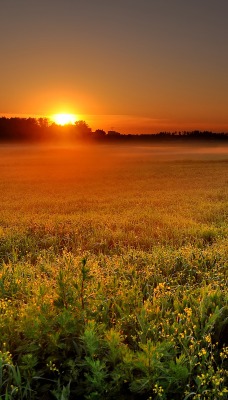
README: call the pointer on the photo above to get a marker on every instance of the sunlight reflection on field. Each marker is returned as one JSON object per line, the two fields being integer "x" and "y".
{"x": 106, "y": 180}
{"x": 89, "y": 163}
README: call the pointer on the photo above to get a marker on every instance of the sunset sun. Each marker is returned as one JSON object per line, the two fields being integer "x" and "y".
{"x": 64, "y": 119}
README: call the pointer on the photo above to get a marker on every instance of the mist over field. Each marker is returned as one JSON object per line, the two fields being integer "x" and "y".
{"x": 113, "y": 271}
{"x": 114, "y": 200}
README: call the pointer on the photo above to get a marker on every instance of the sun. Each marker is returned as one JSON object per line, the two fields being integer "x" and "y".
{"x": 64, "y": 119}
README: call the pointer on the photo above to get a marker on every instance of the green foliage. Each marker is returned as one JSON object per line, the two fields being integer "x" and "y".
{"x": 115, "y": 285}
{"x": 61, "y": 393}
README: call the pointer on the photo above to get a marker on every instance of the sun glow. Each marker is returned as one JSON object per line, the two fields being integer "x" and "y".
{"x": 64, "y": 119}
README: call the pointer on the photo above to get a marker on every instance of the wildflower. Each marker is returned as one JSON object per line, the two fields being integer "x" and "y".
{"x": 52, "y": 366}
{"x": 224, "y": 353}
{"x": 202, "y": 352}
{"x": 158, "y": 390}
{"x": 208, "y": 338}
{"x": 188, "y": 311}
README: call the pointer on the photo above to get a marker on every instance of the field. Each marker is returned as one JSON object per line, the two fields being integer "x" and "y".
{"x": 113, "y": 272}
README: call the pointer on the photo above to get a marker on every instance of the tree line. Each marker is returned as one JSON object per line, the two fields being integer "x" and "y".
{"x": 42, "y": 130}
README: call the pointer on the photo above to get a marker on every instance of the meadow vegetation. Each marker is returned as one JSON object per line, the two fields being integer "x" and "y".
{"x": 113, "y": 273}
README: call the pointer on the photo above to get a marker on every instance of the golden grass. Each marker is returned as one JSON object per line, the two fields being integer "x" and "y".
{"x": 113, "y": 274}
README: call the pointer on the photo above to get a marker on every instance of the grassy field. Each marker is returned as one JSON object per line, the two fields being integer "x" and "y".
{"x": 113, "y": 272}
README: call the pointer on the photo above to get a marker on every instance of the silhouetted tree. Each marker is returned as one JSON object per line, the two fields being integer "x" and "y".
{"x": 100, "y": 132}
{"x": 82, "y": 130}
{"x": 43, "y": 122}
{"x": 114, "y": 134}
{"x": 32, "y": 129}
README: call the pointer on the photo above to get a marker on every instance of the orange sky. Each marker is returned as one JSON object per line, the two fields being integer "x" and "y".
{"x": 133, "y": 66}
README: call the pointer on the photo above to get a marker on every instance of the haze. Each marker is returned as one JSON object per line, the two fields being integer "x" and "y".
{"x": 136, "y": 66}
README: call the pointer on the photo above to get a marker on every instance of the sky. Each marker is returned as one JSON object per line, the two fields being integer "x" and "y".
{"x": 135, "y": 66}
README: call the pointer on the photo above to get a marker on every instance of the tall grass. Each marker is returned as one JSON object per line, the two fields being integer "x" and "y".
{"x": 113, "y": 275}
